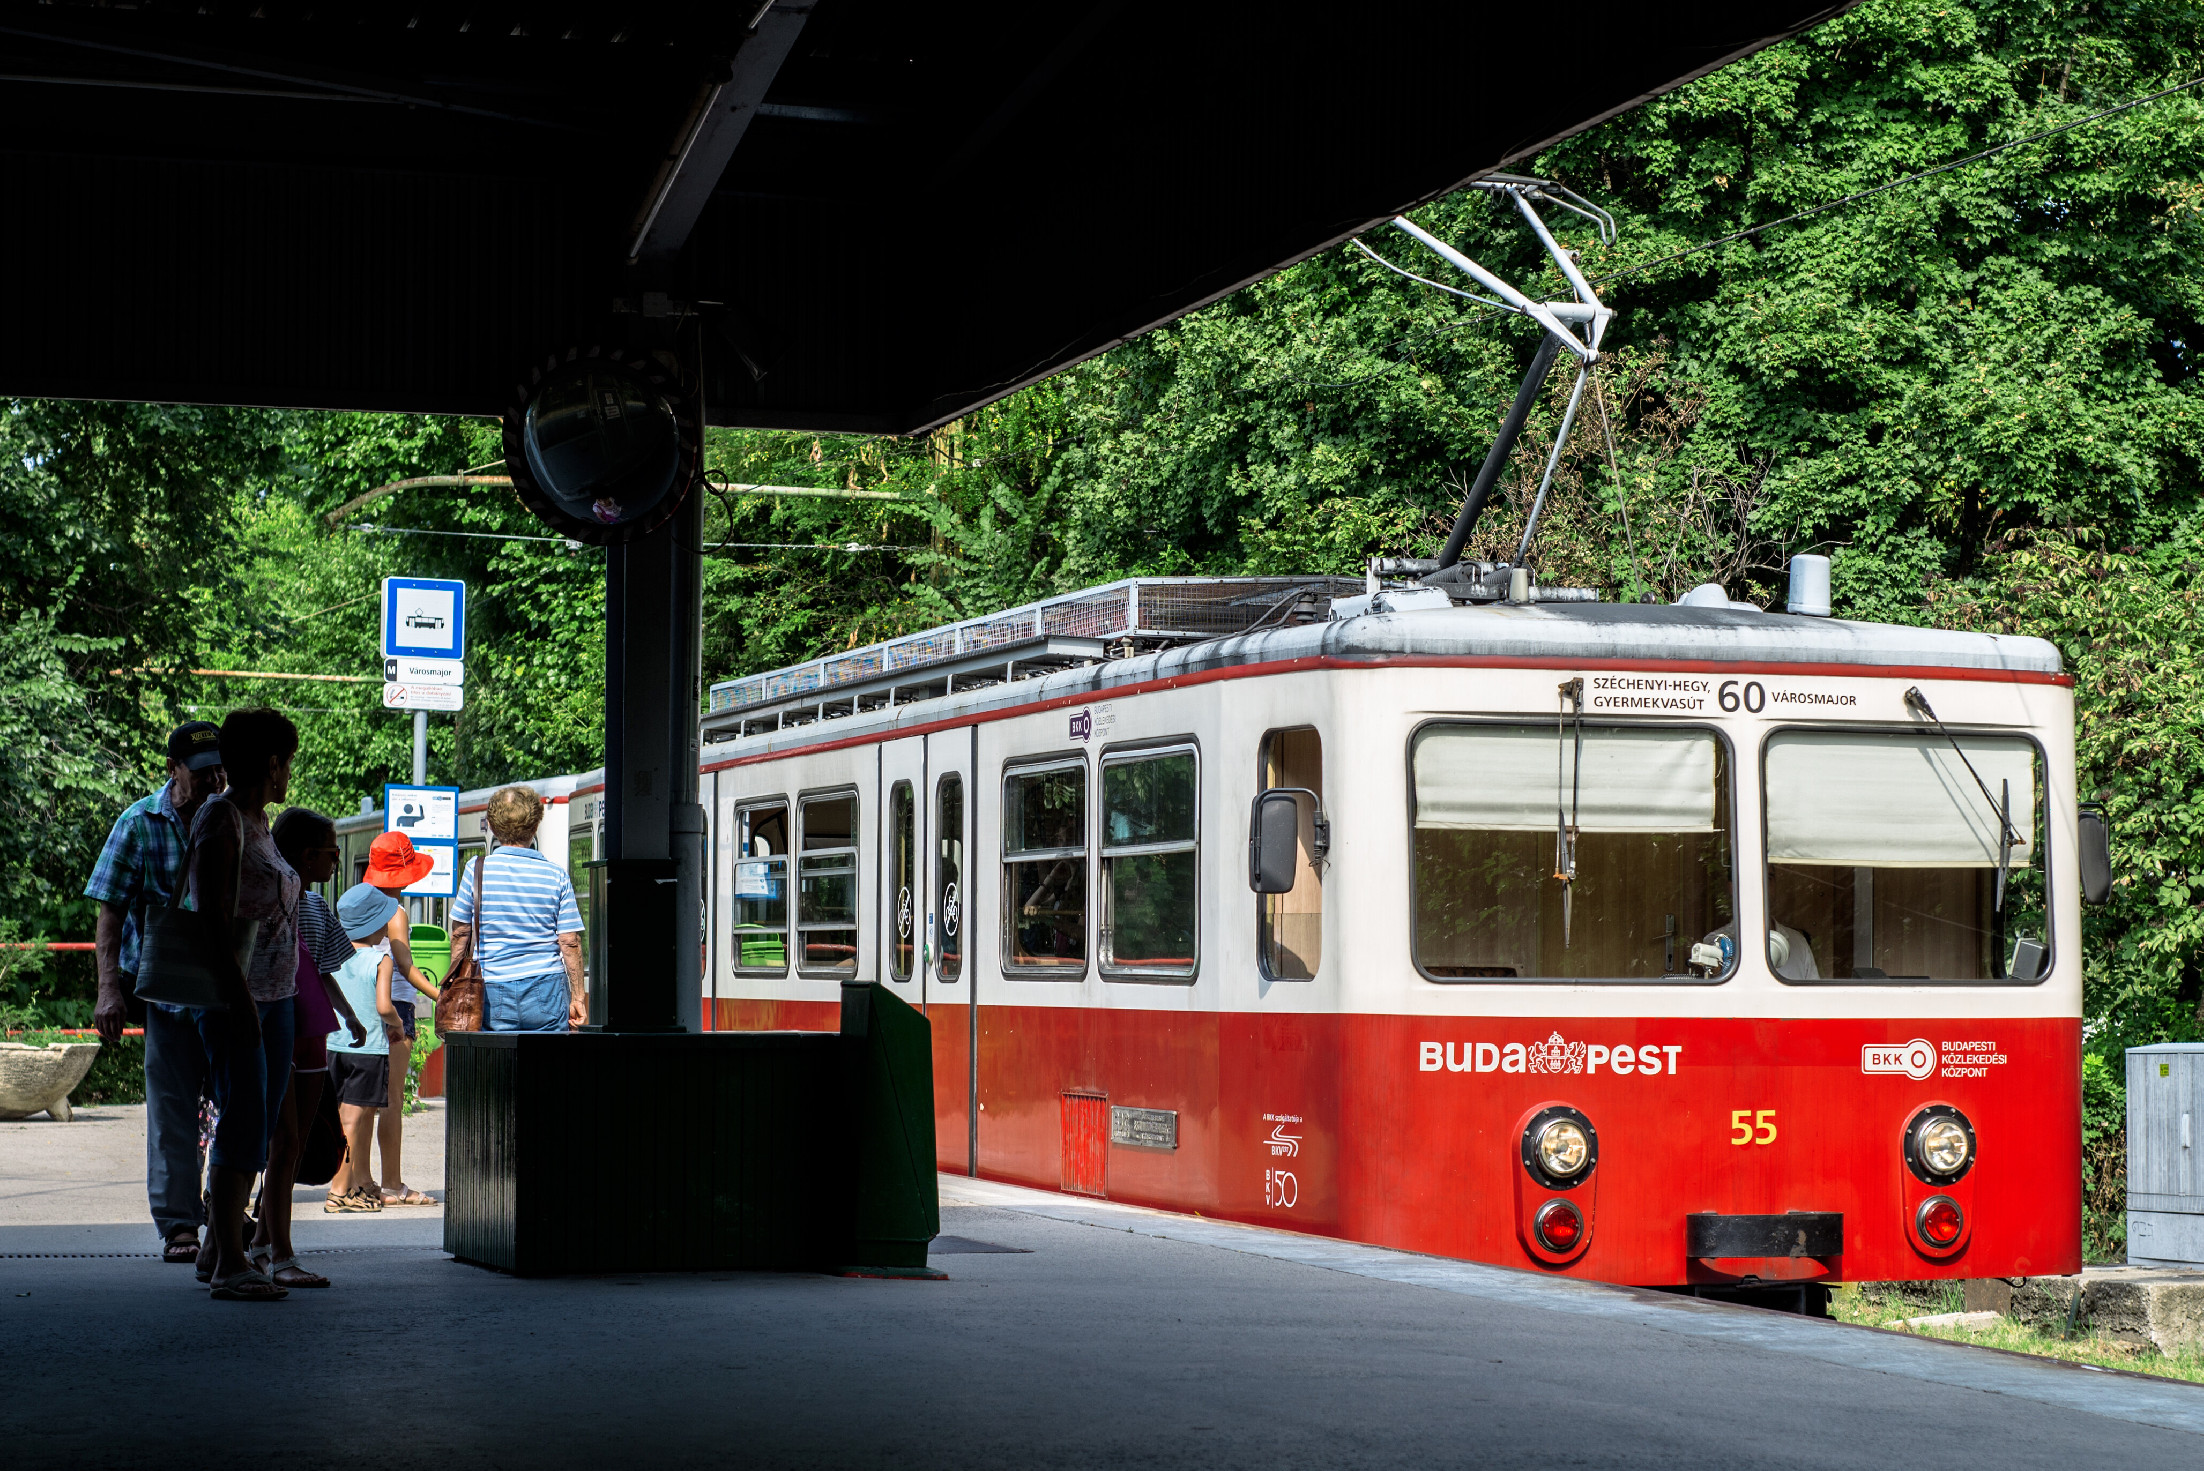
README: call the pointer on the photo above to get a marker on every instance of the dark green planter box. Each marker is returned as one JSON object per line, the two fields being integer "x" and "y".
{"x": 654, "y": 1152}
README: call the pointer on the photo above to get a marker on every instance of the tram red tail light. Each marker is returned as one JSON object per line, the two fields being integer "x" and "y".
{"x": 1559, "y": 1225}
{"x": 1940, "y": 1221}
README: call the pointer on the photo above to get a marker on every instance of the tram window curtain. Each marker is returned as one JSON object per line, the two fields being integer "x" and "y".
{"x": 1651, "y": 873}
{"x": 1506, "y": 779}
{"x": 1875, "y": 799}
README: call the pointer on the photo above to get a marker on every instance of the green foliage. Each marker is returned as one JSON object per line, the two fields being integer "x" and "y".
{"x": 2104, "y": 1159}
{"x": 2001, "y": 346}
{"x": 2127, "y": 623}
{"x": 425, "y": 1042}
{"x": 535, "y": 609}
{"x": 114, "y": 521}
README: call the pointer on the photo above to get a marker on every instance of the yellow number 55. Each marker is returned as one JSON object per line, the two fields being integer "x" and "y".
{"x": 1752, "y": 1126}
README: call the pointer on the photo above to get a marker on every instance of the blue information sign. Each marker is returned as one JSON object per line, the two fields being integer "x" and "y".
{"x": 430, "y": 817}
{"x": 424, "y": 618}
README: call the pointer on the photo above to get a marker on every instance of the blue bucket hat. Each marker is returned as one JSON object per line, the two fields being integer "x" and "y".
{"x": 364, "y": 910}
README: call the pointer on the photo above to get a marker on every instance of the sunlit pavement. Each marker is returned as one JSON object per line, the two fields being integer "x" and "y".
{"x": 1105, "y": 1337}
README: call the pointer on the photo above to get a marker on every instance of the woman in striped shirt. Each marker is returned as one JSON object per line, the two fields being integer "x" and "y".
{"x": 524, "y": 924}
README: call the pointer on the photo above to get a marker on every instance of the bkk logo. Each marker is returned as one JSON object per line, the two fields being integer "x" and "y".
{"x": 1553, "y": 1055}
{"x": 1915, "y": 1059}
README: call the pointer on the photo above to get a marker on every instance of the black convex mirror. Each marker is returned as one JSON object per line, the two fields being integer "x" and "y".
{"x": 2095, "y": 860}
{"x": 1274, "y": 838}
{"x": 597, "y": 447}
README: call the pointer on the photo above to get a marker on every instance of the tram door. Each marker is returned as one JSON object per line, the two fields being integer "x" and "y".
{"x": 902, "y": 807}
{"x": 951, "y": 975}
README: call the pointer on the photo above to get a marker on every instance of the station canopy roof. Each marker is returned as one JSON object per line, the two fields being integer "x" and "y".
{"x": 885, "y": 213}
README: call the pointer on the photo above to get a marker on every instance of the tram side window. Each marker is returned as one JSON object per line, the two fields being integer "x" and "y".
{"x": 826, "y": 885}
{"x": 1883, "y": 856}
{"x": 1292, "y": 923}
{"x": 1045, "y": 871}
{"x": 949, "y": 877}
{"x": 902, "y": 880}
{"x": 1651, "y": 820}
{"x": 1150, "y": 864}
{"x": 761, "y": 888}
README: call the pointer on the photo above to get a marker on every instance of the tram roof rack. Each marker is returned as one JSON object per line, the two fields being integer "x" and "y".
{"x": 1053, "y": 633}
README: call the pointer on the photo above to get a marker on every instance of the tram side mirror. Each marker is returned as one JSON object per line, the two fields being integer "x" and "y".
{"x": 1274, "y": 839}
{"x": 2095, "y": 831}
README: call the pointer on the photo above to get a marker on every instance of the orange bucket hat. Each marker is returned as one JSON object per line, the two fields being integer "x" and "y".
{"x": 393, "y": 862}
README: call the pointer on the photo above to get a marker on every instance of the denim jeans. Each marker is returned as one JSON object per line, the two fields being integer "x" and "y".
{"x": 249, "y": 1083}
{"x": 175, "y": 1077}
{"x": 531, "y": 1004}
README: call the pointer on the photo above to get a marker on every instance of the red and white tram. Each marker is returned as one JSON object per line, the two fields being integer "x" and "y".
{"x": 1495, "y": 1005}
{"x": 1503, "y": 1014}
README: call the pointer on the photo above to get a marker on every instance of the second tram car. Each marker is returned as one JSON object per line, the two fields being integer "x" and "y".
{"x": 1680, "y": 946}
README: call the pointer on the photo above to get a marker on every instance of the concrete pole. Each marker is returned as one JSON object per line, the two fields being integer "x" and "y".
{"x": 420, "y": 748}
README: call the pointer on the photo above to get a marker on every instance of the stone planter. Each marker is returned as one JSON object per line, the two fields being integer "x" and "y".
{"x": 38, "y": 1079}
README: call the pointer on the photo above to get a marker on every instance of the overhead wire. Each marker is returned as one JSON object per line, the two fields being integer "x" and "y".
{"x": 1826, "y": 206}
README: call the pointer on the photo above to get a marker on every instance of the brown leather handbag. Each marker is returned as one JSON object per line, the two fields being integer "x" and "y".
{"x": 459, "y": 1008}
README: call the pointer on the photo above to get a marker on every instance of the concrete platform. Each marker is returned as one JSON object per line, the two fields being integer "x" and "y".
{"x": 2160, "y": 1306}
{"x": 1071, "y": 1333}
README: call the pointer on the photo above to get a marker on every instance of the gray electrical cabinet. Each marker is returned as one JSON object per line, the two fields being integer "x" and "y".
{"x": 2165, "y": 1188}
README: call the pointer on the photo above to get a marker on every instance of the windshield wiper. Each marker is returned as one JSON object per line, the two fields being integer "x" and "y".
{"x": 2008, "y": 837}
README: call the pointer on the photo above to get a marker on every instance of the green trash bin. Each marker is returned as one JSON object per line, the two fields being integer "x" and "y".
{"x": 432, "y": 951}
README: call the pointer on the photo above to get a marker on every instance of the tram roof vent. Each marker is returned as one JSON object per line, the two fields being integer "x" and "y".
{"x": 1079, "y": 627}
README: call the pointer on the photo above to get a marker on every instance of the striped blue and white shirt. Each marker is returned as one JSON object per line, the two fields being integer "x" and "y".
{"x": 530, "y": 904}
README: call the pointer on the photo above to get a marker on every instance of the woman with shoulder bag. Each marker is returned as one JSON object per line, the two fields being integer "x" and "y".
{"x": 246, "y": 897}
{"x": 523, "y": 927}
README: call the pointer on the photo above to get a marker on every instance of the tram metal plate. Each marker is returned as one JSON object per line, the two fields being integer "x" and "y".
{"x": 1792, "y": 1234}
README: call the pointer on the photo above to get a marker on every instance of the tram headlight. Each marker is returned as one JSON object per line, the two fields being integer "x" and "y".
{"x": 1564, "y": 1149}
{"x": 1944, "y": 1146}
{"x": 1939, "y": 1144}
{"x": 1560, "y": 1147}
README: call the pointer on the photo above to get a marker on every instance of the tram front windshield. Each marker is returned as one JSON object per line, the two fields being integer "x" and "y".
{"x": 1884, "y": 849}
{"x": 1642, "y": 827}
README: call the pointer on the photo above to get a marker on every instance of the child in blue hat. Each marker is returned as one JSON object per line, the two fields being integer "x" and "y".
{"x": 360, "y": 1071}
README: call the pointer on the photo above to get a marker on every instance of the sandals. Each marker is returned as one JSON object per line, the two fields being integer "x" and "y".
{"x": 203, "y": 1259}
{"x": 408, "y": 1197}
{"x": 287, "y": 1273}
{"x": 248, "y": 1286}
{"x": 181, "y": 1249}
{"x": 353, "y": 1202}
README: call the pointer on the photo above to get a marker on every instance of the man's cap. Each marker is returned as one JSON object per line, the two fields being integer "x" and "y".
{"x": 393, "y": 862}
{"x": 195, "y": 745}
{"x": 364, "y": 910}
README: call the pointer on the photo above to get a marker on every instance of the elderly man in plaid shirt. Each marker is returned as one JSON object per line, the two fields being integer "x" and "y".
{"x": 140, "y": 869}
